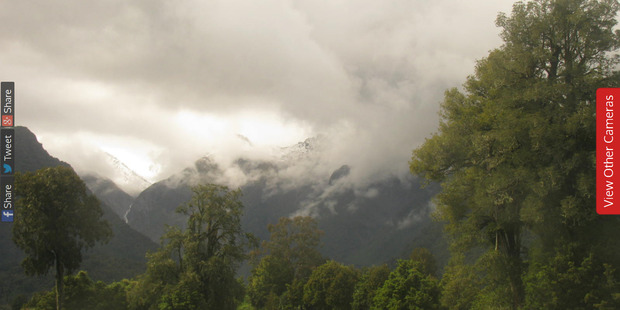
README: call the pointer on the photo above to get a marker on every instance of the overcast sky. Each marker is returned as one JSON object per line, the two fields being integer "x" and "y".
{"x": 159, "y": 84}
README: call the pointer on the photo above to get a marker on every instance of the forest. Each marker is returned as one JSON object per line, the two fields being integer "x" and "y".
{"x": 514, "y": 155}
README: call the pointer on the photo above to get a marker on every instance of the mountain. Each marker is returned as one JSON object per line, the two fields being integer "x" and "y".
{"x": 30, "y": 154}
{"x": 130, "y": 181}
{"x": 109, "y": 193}
{"x": 122, "y": 257}
{"x": 155, "y": 206}
{"x": 364, "y": 224}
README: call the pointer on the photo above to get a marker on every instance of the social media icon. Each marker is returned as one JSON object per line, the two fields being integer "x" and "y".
{"x": 7, "y": 168}
{"x": 7, "y": 216}
{"x": 7, "y": 120}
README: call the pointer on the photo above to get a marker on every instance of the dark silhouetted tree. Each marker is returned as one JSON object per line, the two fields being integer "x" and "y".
{"x": 56, "y": 221}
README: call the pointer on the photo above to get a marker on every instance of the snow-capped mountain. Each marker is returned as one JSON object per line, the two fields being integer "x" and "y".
{"x": 125, "y": 178}
{"x": 367, "y": 223}
{"x": 302, "y": 150}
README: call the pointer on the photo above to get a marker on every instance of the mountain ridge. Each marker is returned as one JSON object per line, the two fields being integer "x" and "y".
{"x": 364, "y": 224}
{"x": 122, "y": 257}
{"x": 107, "y": 191}
{"x": 124, "y": 177}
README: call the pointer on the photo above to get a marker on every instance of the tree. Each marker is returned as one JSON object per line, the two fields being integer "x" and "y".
{"x": 269, "y": 281}
{"x": 561, "y": 283}
{"x": 426, "y": 259}
{"x": 81, "y": 292}
{"x": 366, "y": 288}
{"x": 57, "y": 220}
{"x": 408, "y": 288}
{"x": 515, "y": 152}
{"x": 195, "y": 268}
{"x": 284, "y": 263}
{"x": 331, "y": 286}
{"x": 460, "y": 285}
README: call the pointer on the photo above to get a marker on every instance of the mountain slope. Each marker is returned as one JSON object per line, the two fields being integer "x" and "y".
{"x": 109, "y": 193}
{"x": 30, "y": 154}
{"x": 125, "y": 178}
{"x": 363, "y": 224}
{"x": 122, "y": 257}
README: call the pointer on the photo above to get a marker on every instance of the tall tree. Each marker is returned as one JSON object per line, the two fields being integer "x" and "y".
{"x": 366, "y": 288}
{"x": 331, "y": 286}
{"x": 515, "y": 152}
{"x": 57, "y": 220}
{"x": 284, "y": 263}
{"x": 426, "y": 259}
{"x": 407, "y": 287}
{"x": 195, "y": 268}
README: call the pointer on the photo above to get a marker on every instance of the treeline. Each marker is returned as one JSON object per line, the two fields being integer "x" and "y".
{"x": 290, "y": 273}
{"x": 195, "y": 269}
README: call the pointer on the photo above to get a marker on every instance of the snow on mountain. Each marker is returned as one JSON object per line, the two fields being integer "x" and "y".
{"x": 302, "y": 150}
{"x": 125, "y": 178}
{"x": 364, "y": 223}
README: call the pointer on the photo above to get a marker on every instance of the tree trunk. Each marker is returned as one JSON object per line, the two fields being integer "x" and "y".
{"x": 516, "y": 284}
{"x": 59, "y": 283}
{"x": 508, "y": 244}
{"x": 513, "y": 252}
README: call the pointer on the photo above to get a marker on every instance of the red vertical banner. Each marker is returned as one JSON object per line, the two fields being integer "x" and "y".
{"x": 608, "y": 151}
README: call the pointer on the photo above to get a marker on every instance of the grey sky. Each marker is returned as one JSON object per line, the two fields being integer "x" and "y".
{"x": 160, "y": 83}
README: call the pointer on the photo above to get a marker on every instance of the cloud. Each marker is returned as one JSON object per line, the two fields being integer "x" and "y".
{"x": 173, "y": 81}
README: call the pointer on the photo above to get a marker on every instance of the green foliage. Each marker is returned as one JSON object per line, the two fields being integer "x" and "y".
{"x": 515, "y": 152}
{"x": 366, "y": 288}
{"x": 18, "y": 302}
{"x": 408, "y": 288}
{"x": 58, "y": 219}
{"x": 246, "y": 305}
{"x": 185, "y": 295}
{"x": 42, "y": 301}
{"x": 566, "y": 283}
{"x": 428, "y": 264}
{"x": 293, "y": 297}
{"x": 269, "y": 280}
{"x": 460, "y": 285}
{"x": 284, "y": 263}
{"x": 122, "y": 257}
{"x": 195, "y": 268}
{"x": 81, "y": 292}
{"x": 330, "y": 286}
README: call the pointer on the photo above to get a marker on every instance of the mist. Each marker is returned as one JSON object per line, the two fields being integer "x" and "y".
{"x": 159, "y": 85}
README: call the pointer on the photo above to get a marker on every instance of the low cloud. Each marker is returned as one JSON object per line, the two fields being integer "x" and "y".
{"x": 172, "y": 82}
